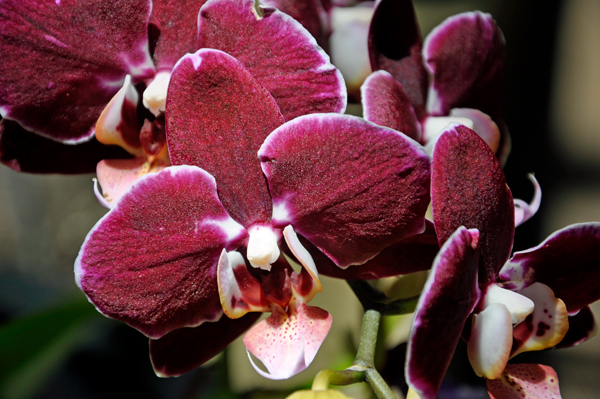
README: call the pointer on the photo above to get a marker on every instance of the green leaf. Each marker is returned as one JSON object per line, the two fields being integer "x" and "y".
{"x": 33, "y": 347}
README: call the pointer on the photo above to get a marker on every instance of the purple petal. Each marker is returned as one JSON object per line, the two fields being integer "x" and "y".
{"x": 412, "y": 254}
{"x": 152, "y": 260}
{"x": 174, "y": 27}
{"x": 24, "y": 151}
{"x": 279, "y": 53}
{"x": 525, "y": 381}
{"x": 386, "y": 104}
{"x": 350, "y": 187}
{"x": 64, "y": 60}
{"x": 310, "y": 13}
{"x": 449, "y": 297}
{"x": 217, "y": 117}
{"x": 568, "y": 262}
{"x": 184, "y": 349}
{"x": 395, "y": 46}
{"x": 466, "y": 55}
{"x": 468, "y": 189}
{"x": 582, "y": 327}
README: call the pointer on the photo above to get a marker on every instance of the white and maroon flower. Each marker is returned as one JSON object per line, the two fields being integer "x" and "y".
{"x": 538, "y": 299}
{"x": 70, "y": 59}
{"x": 204, "y": 237}
{"x": 455, "y": 76}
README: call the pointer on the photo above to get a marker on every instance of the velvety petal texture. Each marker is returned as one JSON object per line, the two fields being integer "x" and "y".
{"x": 534, "y": 381}
{"x": 449, "y": 297}
{"x": 287, "y": 343}
{"x": 412, "y": 254}
{"x": 278, "y": 51}
{"x": 582, "y": 327}
{"x": 173, "y": 30}
{"x": 395, "y": 46}
{"x": 386, "y": 104}
{"x": 350, "y": 187}
{"x": 152, "y": 260}
{"x": 468, "y": 189}
{"x": 310, "y": 13}
{"x": 218, "y": 115}
{"x": 465, "y": 55}
{"x": 24, "y": 151}
{"x": 184, "y": 349}
{"x": 568, "y": 262}
{"x": 64, "y": 60}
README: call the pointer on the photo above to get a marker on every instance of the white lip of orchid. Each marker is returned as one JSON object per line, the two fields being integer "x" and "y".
{"x": 262, "y": 247}
{"x": 518, "y": 305}
{"x": 155, "y": 95}
{"x": 433, "y": 125}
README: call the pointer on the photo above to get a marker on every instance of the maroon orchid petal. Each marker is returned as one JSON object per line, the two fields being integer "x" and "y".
{"x": 278, "y": 51}
{"x": 311, "y": 14}
{"x": 174, "y": 27}
{"x": 466, "y": 55}
{"x": 63, "y": 61}
{"x": 582, "y": 327}
{"x": 468, "y": 189}
{"x": 385, "y": 103}
{"x": 449, "y": 297}
{"x": 395, "y": 46}
{"x": 350, "y": 187}
{"x": 152, "y": 260}
{"x": 184, "y": 349}
{"x": 218, "y": 115}
{"x": 24, "y": 151}
{"x": 412, "y": 254}
{"x": 520, "y": 381}
{"x": 568, "y": 262}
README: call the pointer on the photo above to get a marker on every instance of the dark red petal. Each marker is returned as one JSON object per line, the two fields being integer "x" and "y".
{"x": 582, "y": 327}
{"x": 412, "y": 254}
{"x": 310, "y": 13}
{"x": 520, "y": 381}
{"x": 279, "y": 53}
{"x": 466, "y": 55}
{"x": 385, "y": 103}
{"x": 184, "y": 349}
{"x": 568, "y": 262}
{"x": 175, "y": 23}
{"x": 217, "y": 116}
{"x": 350, "y": 187}
{"x": 468, "y": 189}
{"x": 395, "y": 46}
{"x": 62, "y": 61}
{"x": 24, "y": 151}
{"x": 152, "y": 260}
{"x": 449, "y": 297}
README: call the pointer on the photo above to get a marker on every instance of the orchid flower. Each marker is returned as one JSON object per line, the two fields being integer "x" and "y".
{"x": 204, "y": 237}
{"x": 526, "y": 303}
{"x": 464, "y": 57}
{"x": 81, "y": 71}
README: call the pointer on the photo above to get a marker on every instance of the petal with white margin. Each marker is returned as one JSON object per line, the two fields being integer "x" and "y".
{"x": 519, "y": 381}
{"x": 287, "y": 343}
{"x": 546, "y": 326}
{"x": 490, "y": 341}
{"x": 151, "y": 261}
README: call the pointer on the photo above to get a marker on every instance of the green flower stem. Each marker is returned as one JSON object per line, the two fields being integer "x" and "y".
{"x": 401, "y": 306}
{"x": 336, "y": 377}
{"x": 378, "y": 385}
{"x": 365, "y": 357}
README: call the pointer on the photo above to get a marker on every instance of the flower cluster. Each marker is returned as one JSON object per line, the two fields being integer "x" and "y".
{"x": 234, "y": 180}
